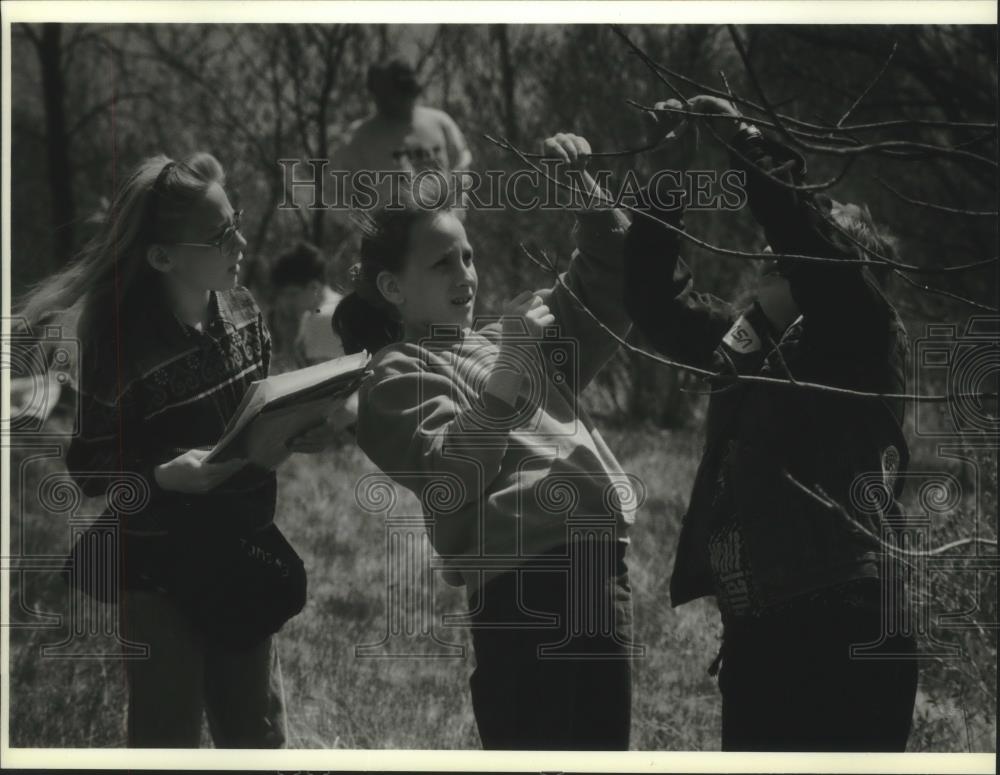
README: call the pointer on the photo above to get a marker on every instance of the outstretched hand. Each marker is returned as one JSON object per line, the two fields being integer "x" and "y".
{"x": 705, "y": 103}
{"x": 674, "y": 135}
{"x": 527, "y": 314}
{"x": 570, "y": 148}
{"x": 575, "y": 151}
{"x": 188, "y": 473}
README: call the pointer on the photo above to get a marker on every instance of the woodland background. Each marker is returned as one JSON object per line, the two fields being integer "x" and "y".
{"x": 89, "y": 101}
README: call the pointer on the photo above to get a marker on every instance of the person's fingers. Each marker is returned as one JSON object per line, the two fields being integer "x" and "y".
{"x": 552, "y": 148}
{"x": 570, "y": 145}
{"x": 582, "y": 146}
{"x": 519, "y": 299}
{"x": 566, "y": 143}
{"x": 670, "y": 105}
{"x": 526, "y": 306}
{"x": 546, "y": 320}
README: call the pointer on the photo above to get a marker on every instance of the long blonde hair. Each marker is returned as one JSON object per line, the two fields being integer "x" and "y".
{"x": 107, "y": 283}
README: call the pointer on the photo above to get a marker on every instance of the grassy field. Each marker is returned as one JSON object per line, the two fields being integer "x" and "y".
{"x": 336, "y": 700}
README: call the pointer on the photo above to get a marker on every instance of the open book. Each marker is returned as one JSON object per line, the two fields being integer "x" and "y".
{"x": 279, "y": 408}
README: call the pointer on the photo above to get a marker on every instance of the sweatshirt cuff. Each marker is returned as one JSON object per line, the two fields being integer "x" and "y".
{"x": 149, "y": 474}
{"x": 592, "y": 225}
{"x": 761, "y": 322}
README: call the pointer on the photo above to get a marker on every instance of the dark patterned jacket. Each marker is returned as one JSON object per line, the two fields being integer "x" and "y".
{"x": 156, "y": 390}
{"x": 848, "y": 336}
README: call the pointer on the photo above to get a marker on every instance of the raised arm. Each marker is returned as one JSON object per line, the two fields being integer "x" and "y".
{"x": 411, "y": 423}
{"x": 797, "y": 221}
{"x": 680, "y": 322}
{"x": 659, "y": 293}
{"x": 594, "y": 275}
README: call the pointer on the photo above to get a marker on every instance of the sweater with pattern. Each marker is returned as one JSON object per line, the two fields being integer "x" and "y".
{"x": 155, "y": 389}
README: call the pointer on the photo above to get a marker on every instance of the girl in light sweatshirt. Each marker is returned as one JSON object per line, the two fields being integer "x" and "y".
{"x": 522, "y": 497}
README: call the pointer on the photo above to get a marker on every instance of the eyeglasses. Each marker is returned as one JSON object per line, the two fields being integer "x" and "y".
{"x": 225, "y": 243}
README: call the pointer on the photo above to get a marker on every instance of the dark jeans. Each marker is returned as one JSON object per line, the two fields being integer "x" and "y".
{"x": 789, "y": 684}
{"x": 241, "y": 691}
{"x": 562, "y": 684}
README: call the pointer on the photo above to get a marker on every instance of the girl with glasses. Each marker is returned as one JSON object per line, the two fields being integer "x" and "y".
{"x": 169, "y": 344}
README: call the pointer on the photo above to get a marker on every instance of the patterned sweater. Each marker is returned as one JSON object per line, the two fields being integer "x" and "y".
{"x": 161, "y": 388}
{"x": 502, "y": 484}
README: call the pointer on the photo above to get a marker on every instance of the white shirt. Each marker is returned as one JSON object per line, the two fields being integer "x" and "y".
{"x": 316, "y": 340}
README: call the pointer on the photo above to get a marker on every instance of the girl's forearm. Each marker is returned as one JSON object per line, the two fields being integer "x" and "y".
{"x": 593, "y": 193}
{"x": 505, "y": 377}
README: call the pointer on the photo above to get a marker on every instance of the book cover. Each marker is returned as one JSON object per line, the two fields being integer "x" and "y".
{"x": 279, "y": 408}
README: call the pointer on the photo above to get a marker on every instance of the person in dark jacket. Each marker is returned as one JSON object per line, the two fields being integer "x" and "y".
{"x": 778, "y": 528}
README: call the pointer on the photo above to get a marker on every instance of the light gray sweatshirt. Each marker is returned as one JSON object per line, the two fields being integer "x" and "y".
{"x": 498, "y": 482}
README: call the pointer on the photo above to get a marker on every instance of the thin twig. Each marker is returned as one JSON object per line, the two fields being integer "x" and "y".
{"x": 504, "y": 143}
{"x": 826, "y": 501}
{"x": 732, "y": 148}
{"x": 819, "y": 131}
{"x": 857, "y": 145}
{"x": 871, "y": 85}
{"x": 881, "y": 259}
{"x": 947, "y": 294}
{"x": 748, "y": 378}
{"x": 611, "y": 154}
{"x": 725, "y": 82}
{"x": 925, "y": 148}
{"x": 937, "y": 207}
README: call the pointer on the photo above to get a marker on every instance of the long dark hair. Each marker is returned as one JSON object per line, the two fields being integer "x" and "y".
{"x": 364, "y": 319}
{"x": 110, "y": 281}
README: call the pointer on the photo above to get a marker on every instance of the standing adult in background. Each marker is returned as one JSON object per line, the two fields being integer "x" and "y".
{"x": 400, "y": 134}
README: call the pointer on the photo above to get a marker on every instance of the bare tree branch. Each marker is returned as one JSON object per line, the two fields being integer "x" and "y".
{"x": 922, "y": 150}
{"x": 819, "y": 131}
{"x": 746, "y": 255}
{"x": 937, "y": 207}
{"x": 871, "y": 86}
{"x": 820, "y": 497}
{"x": 947, "y": 294}
{"x": 720, "y": 378}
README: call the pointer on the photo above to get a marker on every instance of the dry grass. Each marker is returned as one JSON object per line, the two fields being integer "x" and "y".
{"x": 336, "y": 700}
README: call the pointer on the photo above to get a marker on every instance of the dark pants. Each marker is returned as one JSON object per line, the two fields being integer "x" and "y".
{"x": 185, "y": 675}
{"x": 789, "y": 684}
{"x": 562, "y": 684}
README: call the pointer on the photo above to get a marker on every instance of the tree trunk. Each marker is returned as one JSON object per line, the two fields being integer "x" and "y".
{"x": 60, "y": 171}
{"x": 507, "y": 82}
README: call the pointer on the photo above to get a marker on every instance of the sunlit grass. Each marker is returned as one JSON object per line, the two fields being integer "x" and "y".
{"x": 337, "y": 700}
